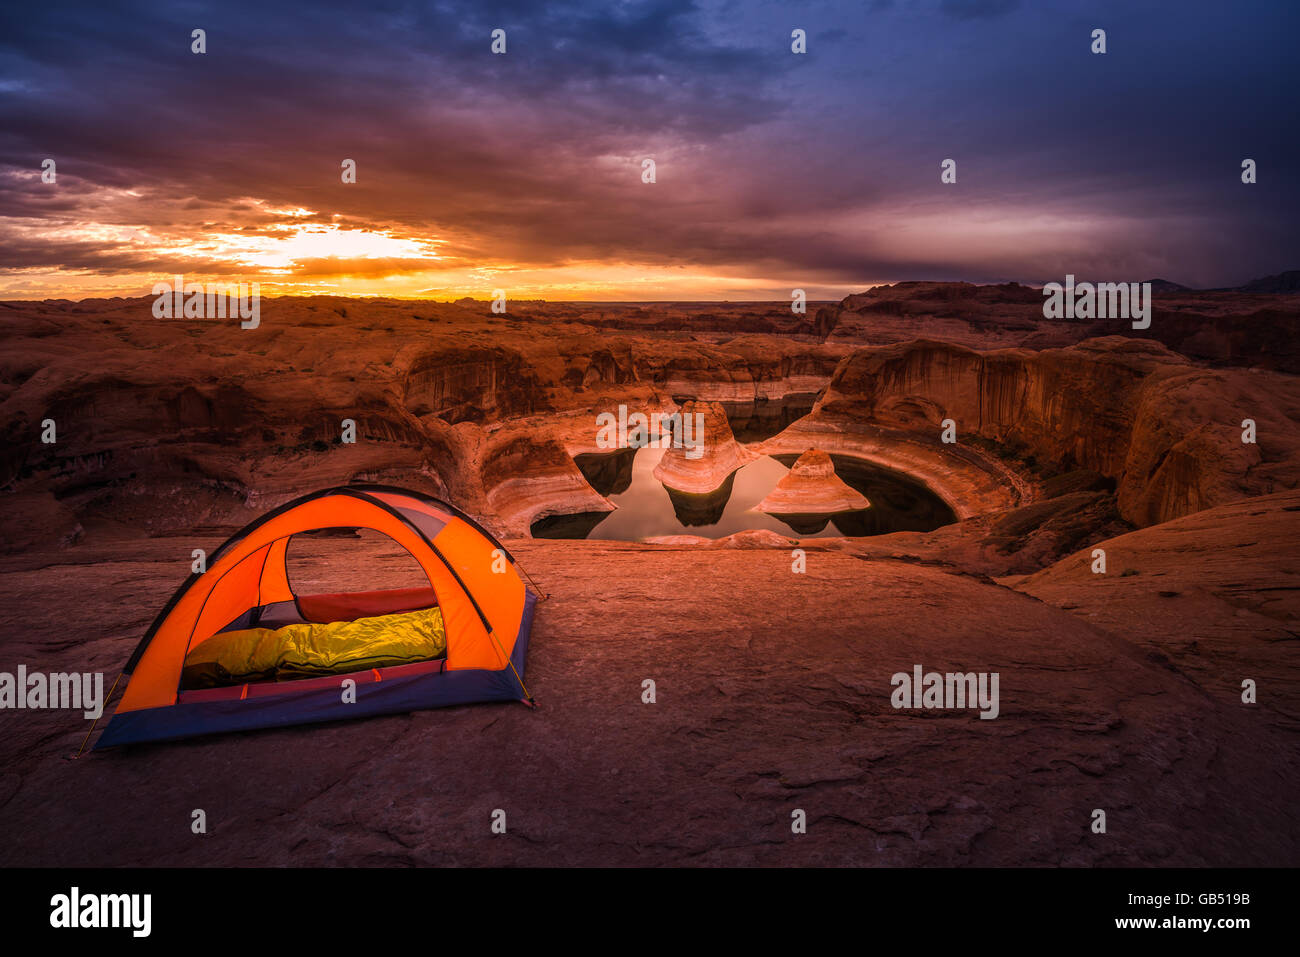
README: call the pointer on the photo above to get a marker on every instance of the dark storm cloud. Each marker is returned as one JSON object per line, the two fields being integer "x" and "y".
{"x": 769, "y": 164}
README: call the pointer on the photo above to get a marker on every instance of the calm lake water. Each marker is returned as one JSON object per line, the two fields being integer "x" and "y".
{"x": 647, "y": 509}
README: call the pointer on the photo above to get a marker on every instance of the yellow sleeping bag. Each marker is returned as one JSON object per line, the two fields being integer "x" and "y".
{"x": 311, "y": 650}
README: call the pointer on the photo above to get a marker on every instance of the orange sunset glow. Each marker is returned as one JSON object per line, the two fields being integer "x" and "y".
{"x": 528, "y": 172}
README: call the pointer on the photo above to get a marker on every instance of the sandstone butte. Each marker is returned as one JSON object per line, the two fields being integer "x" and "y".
{"x": 711, "y": 462}
{"x": 812, "y": 487}
{"x": 1120, "y": 690}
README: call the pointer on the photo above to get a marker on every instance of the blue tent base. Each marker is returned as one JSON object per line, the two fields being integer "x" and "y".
{"x": 391, "y": 696}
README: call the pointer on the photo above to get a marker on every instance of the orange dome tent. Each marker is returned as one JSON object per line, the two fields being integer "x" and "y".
{"x": 474, "y": 584}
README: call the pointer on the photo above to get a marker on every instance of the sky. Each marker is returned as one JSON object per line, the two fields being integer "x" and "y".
{"x": 523, "y": 171}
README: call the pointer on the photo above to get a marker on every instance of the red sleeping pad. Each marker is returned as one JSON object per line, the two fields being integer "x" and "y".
{"x": 323, "y": 609}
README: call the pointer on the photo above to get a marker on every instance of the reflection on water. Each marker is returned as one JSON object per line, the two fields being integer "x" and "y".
{"x": 898, "y": 503}
{"x": 695, "y": 510}
{"x": 609, "y": 473}
{"x": 763, "y": 418}
{"x": 647, "y": 509}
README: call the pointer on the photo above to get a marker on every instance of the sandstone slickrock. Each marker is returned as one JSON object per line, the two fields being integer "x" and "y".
{"x": 811, "y": 487}
{"x": 1215, "y": 595}
{"x": 773, "y": 693}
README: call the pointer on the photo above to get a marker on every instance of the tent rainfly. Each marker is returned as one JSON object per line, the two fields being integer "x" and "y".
{"x": 236, "y": 648}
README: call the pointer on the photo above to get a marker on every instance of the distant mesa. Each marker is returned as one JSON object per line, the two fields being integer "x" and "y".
{"x": 1283, "y": 282}
{"x": 709, "y": 455}
{"x": 811, "y": 487}
{"x": 1165, "y": 285}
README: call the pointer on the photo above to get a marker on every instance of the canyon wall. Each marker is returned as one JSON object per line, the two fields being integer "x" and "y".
{"x": 164, "y": 425}
{"x": 1168, "y": 431}
{"x": 1221, "y": 328}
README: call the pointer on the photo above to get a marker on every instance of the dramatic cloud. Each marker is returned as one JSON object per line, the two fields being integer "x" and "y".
{"x": 774, "y": 170}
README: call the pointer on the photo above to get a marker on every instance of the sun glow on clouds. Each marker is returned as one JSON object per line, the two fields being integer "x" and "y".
{"x": 295, "y": 236}
{"x": 290, "y": 249}
{"x": 287, "y": 247}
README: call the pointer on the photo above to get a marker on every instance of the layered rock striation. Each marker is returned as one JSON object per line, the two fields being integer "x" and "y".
{"x": 1167, "y": 430}
{"x": 811, "y": 487}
